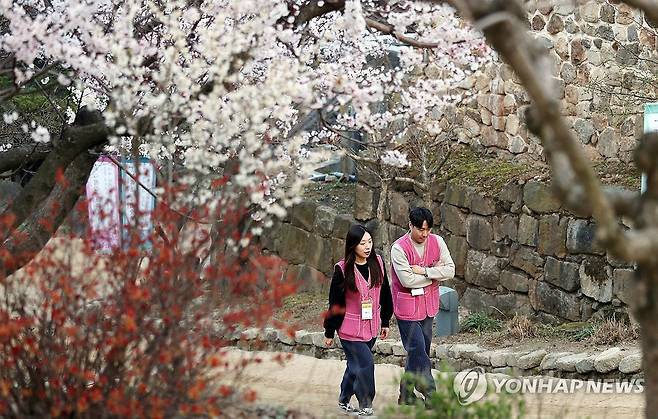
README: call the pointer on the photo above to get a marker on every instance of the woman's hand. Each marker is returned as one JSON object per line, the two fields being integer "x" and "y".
{"x": 384, "y": 333}
{"x": 418, "y": 269}
{"x": 328, "y": 342}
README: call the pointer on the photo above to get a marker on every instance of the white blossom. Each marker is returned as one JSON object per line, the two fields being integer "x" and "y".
{"x": 227, "y": 80}
{"x": 394, "y": 158}
{"x": 10, "y": 118}
{"x": 40, "y": 135}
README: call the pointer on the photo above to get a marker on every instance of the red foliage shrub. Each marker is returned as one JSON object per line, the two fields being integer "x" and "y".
{"x": 136, "y": 332}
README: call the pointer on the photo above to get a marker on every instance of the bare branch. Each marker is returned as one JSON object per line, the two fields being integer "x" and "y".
{"x": 638, "y": 246}
{"x": 18, "y": 156}
{"x": 317, "y": 8}
{"x": 360, "y": 158}
{"x": 388, "y": 29}
{"x": 412, "y": 181}
{"x": 312, "y": 10}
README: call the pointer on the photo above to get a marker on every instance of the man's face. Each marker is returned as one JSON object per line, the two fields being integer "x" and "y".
{"x": 419, "y": 235}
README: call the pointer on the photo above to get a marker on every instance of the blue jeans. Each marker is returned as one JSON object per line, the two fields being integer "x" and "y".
{"x": 359, "y": 377}
{"x": 416, "y": 337}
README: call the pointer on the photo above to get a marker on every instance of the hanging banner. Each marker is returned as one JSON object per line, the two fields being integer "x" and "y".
{"x": 103, "y": 205}
{"x": 135, "y": 199}
{"x": 650, "y": 125}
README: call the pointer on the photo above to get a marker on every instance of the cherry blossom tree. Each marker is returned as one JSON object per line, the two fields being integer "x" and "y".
{"x": 221, "y": 86}
{"x": 218, "y": 86}
{"x": 218, "y": 89}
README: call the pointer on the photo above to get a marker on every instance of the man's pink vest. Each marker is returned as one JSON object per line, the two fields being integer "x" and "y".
{"x": 405, "y": 305}
{"x": 353, "y": 327}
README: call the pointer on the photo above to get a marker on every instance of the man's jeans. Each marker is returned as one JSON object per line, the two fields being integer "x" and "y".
{"x": 416, "y": 338}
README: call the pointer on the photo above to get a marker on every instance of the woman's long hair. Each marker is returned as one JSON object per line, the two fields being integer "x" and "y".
{"x": 354, "y": 236}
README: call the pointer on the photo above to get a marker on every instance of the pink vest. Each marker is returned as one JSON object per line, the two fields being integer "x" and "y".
{"x": 405, "y": 305}
{"x": 353, "y": 327}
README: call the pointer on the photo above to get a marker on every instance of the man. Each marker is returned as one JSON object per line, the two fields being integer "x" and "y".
{"x": 420, "y": 261}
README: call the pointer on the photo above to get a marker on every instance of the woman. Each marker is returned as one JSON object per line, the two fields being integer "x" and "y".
{"x": 359, "y": 304}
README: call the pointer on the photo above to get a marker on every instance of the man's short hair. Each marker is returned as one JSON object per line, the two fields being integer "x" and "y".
{"x": 420, "y": 214}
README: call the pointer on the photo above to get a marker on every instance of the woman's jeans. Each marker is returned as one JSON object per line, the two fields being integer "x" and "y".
{"x": 359, "y": 377}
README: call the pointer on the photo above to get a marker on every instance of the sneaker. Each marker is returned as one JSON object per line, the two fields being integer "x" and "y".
{"x": 365, "y": 412}
{"x": 346, "y": 408}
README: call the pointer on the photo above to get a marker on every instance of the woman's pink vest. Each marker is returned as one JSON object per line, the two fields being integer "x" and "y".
{"x": 353, "y": 327}
{"x": 405, "y": 305}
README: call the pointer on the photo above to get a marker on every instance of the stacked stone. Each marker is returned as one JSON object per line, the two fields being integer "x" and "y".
{"x": 599, "y": 52}
{"x": 614, "y": 362}
{"x": 311, "y": 239}
{"x": 516, "y": 253}
{"x": 519, "y": 253}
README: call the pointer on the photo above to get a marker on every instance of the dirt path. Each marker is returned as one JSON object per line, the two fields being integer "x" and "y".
{"x": 311, "y": 385}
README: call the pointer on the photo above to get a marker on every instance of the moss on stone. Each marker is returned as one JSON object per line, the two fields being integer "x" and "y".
{"x": 486, "y": 173}
{"x": 489, "y": 174}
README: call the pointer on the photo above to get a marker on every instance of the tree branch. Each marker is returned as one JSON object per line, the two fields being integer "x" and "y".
{"x": 388, "y": 29}
{"x": 312, "y": 10}
{"x": 18, "y": 156}
{"x": 27, "y": 240}
{"x": 75, "y": 140}
{"x": 412, "y": 181}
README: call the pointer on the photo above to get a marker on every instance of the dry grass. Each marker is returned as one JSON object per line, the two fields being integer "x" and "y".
{"x": 613, "y": 331}
{"x": 521, "y": 327}
{"x": 608, "y": 332}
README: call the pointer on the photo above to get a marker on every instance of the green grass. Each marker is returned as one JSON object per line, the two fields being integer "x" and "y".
{"x": 26, "y": 103}
{"x": 5, "y": 81}
{"x": 574, "y": 331}
{"x": 445, "y": 403}
{"x": 480, "y": 323}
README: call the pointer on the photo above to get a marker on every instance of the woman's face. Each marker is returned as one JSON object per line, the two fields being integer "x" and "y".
{"x": 364, "y": 247}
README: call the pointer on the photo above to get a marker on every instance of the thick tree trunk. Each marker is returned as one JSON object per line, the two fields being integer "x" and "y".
{"x": 19, "y": 156}
{"x": 645, "y": 292}
{"x": 76, "y": 140}
{"x": 30, "y": 237}
{"x": 646, "y": 313}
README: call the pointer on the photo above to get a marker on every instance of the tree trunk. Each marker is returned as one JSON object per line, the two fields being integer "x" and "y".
{"x": 646, "y": 311}
{"x": 381, "y": 217}
{"x": 30, "y": 237}
{"x": 645, "y": 290}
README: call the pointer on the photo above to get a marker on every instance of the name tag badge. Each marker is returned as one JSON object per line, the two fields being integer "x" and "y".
{"x": 366, "y": 310}
{"x": 417, "y": 291}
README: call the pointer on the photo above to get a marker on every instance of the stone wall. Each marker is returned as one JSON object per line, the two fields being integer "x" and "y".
{"x": 518, "y": 252}
{"x": 612, "y": 363}
{"x": 597, "y": 52}
{"x": 311, "y": 239}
